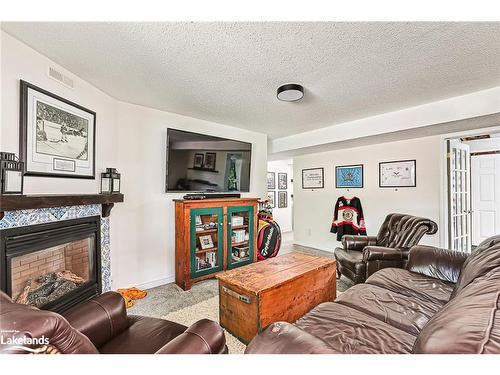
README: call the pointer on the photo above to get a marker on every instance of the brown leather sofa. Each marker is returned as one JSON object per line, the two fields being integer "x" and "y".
{"x": 101, "y": 325}
{"x": 362, "y": 256}
{"x": 443, "y": 302}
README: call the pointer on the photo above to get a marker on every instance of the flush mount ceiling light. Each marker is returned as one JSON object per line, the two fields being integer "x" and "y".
{"x": 290, "y": 92}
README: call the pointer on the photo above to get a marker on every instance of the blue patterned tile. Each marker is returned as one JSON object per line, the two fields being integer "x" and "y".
{"x": 21, "y": 218}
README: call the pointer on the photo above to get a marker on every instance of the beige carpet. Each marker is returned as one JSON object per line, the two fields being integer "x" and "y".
{"x": 208, "y": 309}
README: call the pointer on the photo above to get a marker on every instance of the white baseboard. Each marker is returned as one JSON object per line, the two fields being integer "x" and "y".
{"x": 155, "y": 283}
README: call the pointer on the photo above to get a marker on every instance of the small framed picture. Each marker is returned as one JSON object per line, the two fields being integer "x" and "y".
{"x": 206, "y": 242}
{"x": 271, "y": 180}
{"x": 57, "y": 137}
{"x": 313, "y": 178}
{"x": 198, "y": 160}
{"x": 210, "y": 158}
{"x": 282, "y": 181}
{"x": 282, "y": 199}
{"x": 349, "y": 176}
{"x": 394, "y": 174}
{"x": 271, "y": 196}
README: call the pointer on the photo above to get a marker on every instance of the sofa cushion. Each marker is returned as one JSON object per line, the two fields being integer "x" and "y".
{"x": 144, "y": 336}
{"x": 407, "y": 313}
{"x": 347, "y": 330}
{"x": 484, "y": 258}
{"x": 469, "y": 323}
{"x": 412, "y": 284}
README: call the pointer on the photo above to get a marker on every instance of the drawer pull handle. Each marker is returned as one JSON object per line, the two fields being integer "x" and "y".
{"x": 232, "y": 293}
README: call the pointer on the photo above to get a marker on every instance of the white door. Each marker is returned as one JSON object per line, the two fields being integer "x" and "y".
{"x": 459, "y": 199}
{"x": 485, "y": 172}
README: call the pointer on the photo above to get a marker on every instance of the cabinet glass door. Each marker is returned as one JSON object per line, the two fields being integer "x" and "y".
{"x": 240, "y": 236}
{"x": 206, "y": 240}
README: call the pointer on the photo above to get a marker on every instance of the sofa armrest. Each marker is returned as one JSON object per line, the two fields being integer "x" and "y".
{"x": 358, "y": 242}
{"x": 203, "y": 337}
{"x": 101, "y": 318}
{"x": 436, "y": 263}
{"x": 383, "y": 253}
{"x": 285, "y": 338}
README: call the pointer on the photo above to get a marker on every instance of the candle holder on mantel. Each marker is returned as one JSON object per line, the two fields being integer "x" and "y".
{"x": 110, "y": 181}
{"x": 11, "y": 174}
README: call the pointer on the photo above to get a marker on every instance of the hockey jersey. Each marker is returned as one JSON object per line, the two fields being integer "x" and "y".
{"x": 348, "y": 217}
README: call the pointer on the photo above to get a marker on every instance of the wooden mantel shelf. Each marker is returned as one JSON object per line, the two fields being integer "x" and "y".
{"x": 26, "y": 202}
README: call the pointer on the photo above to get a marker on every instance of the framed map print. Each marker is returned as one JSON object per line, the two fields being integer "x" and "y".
{"x": 349, "y": 176}
{"x": 57, "y": 137}
{"x": 282, "y": 181}
{"x": 313, "y": 178}
{"x": 393, "y": 174}
{"x": 271, "y": 196}
{"x": 271, "y": 180}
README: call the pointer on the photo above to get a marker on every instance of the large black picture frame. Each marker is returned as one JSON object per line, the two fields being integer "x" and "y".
{"x": 23, "y": 132}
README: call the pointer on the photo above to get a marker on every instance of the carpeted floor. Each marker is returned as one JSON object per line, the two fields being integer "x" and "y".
{"x": 202, "y": 301}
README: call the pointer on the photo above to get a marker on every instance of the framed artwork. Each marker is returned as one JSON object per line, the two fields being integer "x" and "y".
{"x": 206, "y": 242}
{"x": 282, "y": 199}
{"x": 210, "y": 158}
{"x": 282, "y": 181}
{"x": 349, "y": 176}
{"x": 57, "y": 137}
{"x": 401, "y": 173}
{"x": 198, "y": 160}
{"x": 313, "y": 178}
{"x": 271, "y": 196}
{"x": 271, "y": 180}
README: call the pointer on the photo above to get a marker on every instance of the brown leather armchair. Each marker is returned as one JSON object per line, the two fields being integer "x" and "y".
{"x": 101, "y": 325}
{"x": 362, "y": 256}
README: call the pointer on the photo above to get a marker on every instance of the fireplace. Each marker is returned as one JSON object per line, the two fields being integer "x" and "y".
{"x": 52, "y": 266}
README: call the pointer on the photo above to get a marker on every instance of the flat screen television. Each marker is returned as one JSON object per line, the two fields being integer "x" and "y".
{"x": 204, "y": 163}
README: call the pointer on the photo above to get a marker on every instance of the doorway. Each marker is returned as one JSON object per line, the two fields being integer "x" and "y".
{"x": 473, "y": 185}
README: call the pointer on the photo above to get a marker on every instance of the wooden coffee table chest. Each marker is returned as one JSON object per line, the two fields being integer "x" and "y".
{"x": 277, "y": 289}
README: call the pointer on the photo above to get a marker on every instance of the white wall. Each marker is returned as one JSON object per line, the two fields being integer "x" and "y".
{"x": 132, "y": 139}
{"x": 283, "y": 216}
{"x": 313, "y": 210}
{"x": 481, "y": 145}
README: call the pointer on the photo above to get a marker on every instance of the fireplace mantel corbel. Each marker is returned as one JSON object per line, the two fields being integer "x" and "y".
{"x": 26, "y": 202}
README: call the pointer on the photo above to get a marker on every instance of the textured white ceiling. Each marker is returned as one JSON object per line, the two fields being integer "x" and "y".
{"x": 229, "y": 72}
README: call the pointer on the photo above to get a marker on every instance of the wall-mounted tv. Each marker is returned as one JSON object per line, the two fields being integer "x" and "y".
{"x": 204, "y": 163}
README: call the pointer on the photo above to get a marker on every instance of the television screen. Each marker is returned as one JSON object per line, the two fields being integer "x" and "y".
{"x": 204, "y": 163}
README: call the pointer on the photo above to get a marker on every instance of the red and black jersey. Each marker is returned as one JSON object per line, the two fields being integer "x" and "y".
{"x": 348, "y": 217}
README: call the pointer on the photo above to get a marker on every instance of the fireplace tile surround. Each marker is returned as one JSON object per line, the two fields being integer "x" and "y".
{"x": 20, "y": 218}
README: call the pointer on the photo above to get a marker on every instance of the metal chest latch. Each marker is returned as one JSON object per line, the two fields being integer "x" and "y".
{"x": 232, "y": 293}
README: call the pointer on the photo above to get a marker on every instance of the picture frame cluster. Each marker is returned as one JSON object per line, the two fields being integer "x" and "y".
{"x": 391, "y": 174}
{"x": 282, "y": 185}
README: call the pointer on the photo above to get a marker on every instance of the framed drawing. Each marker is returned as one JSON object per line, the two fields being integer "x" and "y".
{"x": 271, "y": 196}
{"x": 282, "y": 199}
{"x": 313, "y": 178}
{"x": 210, "y": 158}
{"x": 206, "y": 242}
{"x": 271, "y": 180}
{"x": 57, "y": 137}
{"x": 349, "y": 176}
{"x": 393, "y": 174}
{"x": 198, "y": 160}
{"x": 282, "y": 181}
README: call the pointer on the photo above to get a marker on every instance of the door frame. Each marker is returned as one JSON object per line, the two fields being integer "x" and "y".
{"x": 443, "y": 209}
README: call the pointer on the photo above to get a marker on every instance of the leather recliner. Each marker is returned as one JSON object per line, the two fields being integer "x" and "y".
{"x": 101, "y": 325}
{"x": 362, "y": 256}
{"x": 443, "y": 302}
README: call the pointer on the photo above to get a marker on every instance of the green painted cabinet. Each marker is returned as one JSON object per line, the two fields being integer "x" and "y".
{"x": 240, "y": 236}
{"x": 207, "y": 244}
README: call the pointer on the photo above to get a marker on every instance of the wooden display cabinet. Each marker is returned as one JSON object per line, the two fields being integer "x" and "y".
{"x": 213, "y": 235}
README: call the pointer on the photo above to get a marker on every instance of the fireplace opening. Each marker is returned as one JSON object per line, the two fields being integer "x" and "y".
{"x": 52, "y": 266}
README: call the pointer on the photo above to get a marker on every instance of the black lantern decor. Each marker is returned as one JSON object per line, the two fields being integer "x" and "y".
{"x": 110, "y": 181}
{"x": 11, "y": 173}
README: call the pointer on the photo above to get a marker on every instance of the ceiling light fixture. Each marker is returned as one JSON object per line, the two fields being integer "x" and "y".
{"x": 290, "y": 92}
